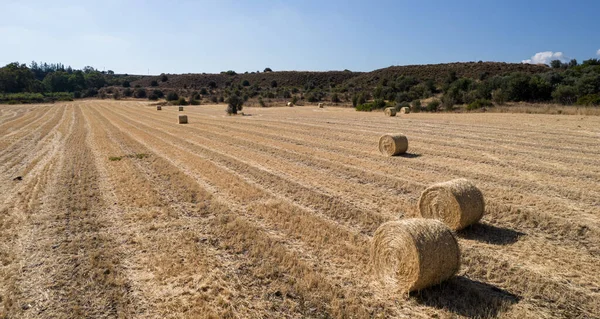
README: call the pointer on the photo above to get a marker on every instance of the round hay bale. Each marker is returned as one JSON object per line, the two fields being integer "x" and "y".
{"x": 183, "y": 119}
{"x": 405, "y": 110}
{"x": 390, "y": 111}
{"x": 290, "y": 104}
{"x": 413, "y": 254}
{"x": 158, "y": 108}
{"x": 320, "y": 105}
{"x": 393, "y": 144}
{"x": 181, "y": 109}
{"x": 458, "y": 203}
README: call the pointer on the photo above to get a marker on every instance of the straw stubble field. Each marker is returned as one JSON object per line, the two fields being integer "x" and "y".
{"x": 121, "y": 212}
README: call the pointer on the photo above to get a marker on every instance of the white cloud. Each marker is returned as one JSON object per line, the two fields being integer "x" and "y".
{"x": 546, "y": 57}
{"x": 598, "y": 52}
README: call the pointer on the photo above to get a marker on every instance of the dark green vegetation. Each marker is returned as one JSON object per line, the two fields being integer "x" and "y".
{"x": 475, "y": 85}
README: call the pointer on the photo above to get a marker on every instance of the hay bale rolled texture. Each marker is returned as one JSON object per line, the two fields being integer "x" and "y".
{"x": 181, "y": 109}
{"x": 458, "y": 203}
{"x": 158, "y": 108}
{"x": 393, "y": 144}
{"x": 290, "y": 104}
{"x": 320, "y": 105}
{"x": 405, "y": 110}
{"x": 413, "y": 254}
{"x": 183, "y": 119}
{"x": 389, "y": 111}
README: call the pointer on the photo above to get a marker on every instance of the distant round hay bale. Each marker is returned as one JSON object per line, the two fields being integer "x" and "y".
{"x": 393, "y": 144}
{"x": 458, "y": 203}
{"x": 183, "y": 119}
{"x": 413, "y": 254}
{"x": 320, "y": 105}
{"x": 290, "y": 104}
{"x": 390, "y": 111}
{"x": 181, "y": 109}
{"x": 158, "y": 107}
{"x": 405, "y": 110}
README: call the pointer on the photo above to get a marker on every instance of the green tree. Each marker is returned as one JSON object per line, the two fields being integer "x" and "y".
{"x": 234, "y": 104}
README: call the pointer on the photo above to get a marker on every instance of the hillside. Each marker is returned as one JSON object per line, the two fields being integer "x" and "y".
{"x": 359, "y": 79}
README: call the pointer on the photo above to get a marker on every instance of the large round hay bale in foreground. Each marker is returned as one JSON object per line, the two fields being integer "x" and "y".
{"x": 158, "y": 108}
{"x": 458, "y": 203}
{"x": 393, "y": 144}
{"x": 183, "y": 119}
{"x": 405, "y": 110}
{"x": 413, "y": 254}
{"x": 181, "y": 109}
{"x": 389, "y": 111}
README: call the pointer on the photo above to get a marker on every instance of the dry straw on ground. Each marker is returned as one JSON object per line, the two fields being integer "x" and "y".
{"x": 181, "y": 109}
{"x": 404, "y": 110}
{"x": 183, "y": 119}
{"x": 393, "y": 144}
{"x": 390, "y": 111}
{"x": 413, "y": 254}
{"x": 458, "y": 203}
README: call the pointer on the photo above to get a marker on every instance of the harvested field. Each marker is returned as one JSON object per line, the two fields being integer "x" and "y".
{"x": 121, "y": 212}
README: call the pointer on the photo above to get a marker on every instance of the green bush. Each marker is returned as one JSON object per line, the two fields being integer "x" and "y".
{"x": 273, "y": 84}
{"x": 335, "y": 98}
{"x": 159, "y": 93}
{"x": 180, "y": 101}
{"x": 261, "y": 102}
{"x": 153, "y": 97}
{"x": 195, "y": 102}
{"x": 126, "y": 84}
{"x": 479, "y": 103}
{"x": 154, "y": 83}
{"x": 90, "y": 93}
{"x": 234, "y": 104}
{"x": 368, "y": 107}
{"x": 416, "y": 105}
{"x": 433, "y": 106}
{"x": 77, "y": 94}
{"x": 295, "y": 99}
{"x": 172, "y": 96}
{"x": 591, "y": 99}
{"x": 128, "y": 92}
{"x": 245, "y": 83}
{"x": 164, "y": 77}
{"x": 287, "y": 94}
{"x": 268, "y": 70}
{"x": 214, "y": 99}
{"x": 499, "y": 97}
{"x": 203, "y": 91}
{"x": 140, "y": 94}
{"x": 565, "y": 94}
{"x": 448, "y": 102}
{"x": 212, "y": 84}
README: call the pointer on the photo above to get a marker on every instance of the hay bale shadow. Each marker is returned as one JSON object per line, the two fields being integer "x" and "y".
{"x": 468, "y": 298}
{"x": 490, "y": 234}
{"x": 410, "y": 155}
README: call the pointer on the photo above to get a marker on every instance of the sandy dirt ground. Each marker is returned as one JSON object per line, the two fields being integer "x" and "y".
{"x": 109, "y": 209}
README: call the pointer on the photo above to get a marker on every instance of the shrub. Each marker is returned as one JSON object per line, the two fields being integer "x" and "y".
{"x": 77, "y": 94}
{"x": 565, "y": 94}
{"x": 221, "y": 99}
{"x": 591, "y": 99}
{"x": 154, "y": 83}
{"x": 287, "y": 94}
{"x": 499, "y": 97}
{"x": 181, "y": 101}
{"x": 295, "y": 99}
{"x": 126, "y": 84}
{"x": 268, "y": 70}
{"x": 194, "y": 102}
{"x": 164, "y": 78}
{"x": 153, "y": 97}
{"x": 234, "y": 104}
{"x": 137, "y": 86}
{"x": 229, "y": 72}
{"x": 214, "y": 99}
{"x": 117, "y": 95}
{"x": 448, "y": 102}
{"x": 212, "y": 84}
{"x": 261, "y": 102}
{"x": 415, "y": 105}
{"x": 158, "y": 93}
{"x": 140, "y": 94}
{"x": 273, "y": 84}
{"x": 479, "y": 103}
{"x": 128, "y": 92}
{"x": 368, "y": 107}
{"x": 203, "y": 91}
{"x": 335, "y": 98}
{"x": 172, "y": 96}
{"x": 433, "y": 106}
{"x": 91, "y": 92}
{"x": 245, "y": 83}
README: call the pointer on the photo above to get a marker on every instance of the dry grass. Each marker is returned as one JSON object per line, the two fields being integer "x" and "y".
{"x": 276, "y": 220}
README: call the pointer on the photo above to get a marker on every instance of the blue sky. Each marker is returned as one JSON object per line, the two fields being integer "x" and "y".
{"x": 212, "y": 36}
